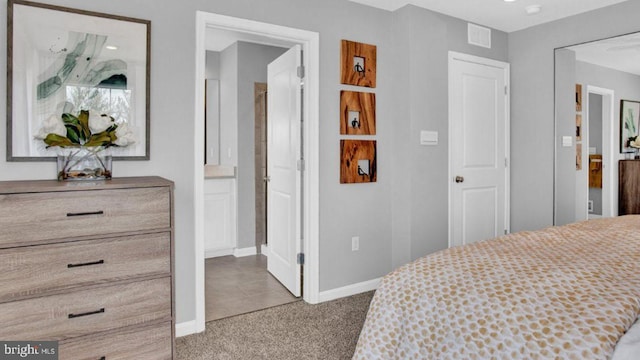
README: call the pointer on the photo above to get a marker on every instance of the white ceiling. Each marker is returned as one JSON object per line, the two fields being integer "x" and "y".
{"x": 498, "y": 14}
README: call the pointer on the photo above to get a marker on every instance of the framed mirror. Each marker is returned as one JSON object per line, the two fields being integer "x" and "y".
{"x": 62, "y": 60}
{"x": 607, "y": 74}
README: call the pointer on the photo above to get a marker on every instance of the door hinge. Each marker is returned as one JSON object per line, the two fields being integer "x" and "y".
{"x": 505, "y": 90}
{"x": 301, "y": 165}
{"x": 506, "y": 162}
{"x": 300, "y": 71}
{"x": 300, "y": 258}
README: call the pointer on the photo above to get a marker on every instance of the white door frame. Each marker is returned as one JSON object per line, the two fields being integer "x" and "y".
{"x": 608, "y": 106}
{"x": 507, "y": 196}
{"x": 310, "y": 42}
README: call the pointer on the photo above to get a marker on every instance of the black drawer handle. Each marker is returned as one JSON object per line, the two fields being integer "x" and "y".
{"x": 103, "y": 358}
{"x": 71, "y": 316}
{"x": 86, "y": 213}
{"x": 86, "y": 264}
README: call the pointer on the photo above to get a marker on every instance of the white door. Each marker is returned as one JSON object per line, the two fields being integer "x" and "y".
{"x": 283, "y": 189}
{"x": 478, "y": 131}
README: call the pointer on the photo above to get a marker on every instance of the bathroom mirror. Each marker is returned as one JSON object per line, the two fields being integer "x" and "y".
{"x": 591, "y": 81}
{"x": 212, "y": 122}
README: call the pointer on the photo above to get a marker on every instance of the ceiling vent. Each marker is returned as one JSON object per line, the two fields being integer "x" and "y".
{"x": 479, "y": 36}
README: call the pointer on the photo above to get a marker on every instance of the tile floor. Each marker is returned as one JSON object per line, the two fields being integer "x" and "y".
{"x": 236, "y": 286}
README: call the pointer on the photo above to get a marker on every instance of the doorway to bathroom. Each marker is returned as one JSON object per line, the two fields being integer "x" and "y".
{"x": 239, "y": 275}
{"x": 306, "y": 226}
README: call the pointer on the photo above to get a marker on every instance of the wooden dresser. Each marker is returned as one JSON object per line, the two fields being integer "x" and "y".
{"x": 629, "y": 187}
{"x": 89, "y": 264}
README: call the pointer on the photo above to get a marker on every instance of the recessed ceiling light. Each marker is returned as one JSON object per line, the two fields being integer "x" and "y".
{"x": 111, "y": 47}
{"x": 509, "y": 0}
{"x": 532, "y": 9}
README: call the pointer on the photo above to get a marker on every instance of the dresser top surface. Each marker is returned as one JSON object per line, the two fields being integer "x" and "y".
{"x": 31, "y": 186}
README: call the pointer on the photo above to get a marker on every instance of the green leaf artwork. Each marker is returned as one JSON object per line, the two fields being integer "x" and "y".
{"x": 629, "y": 125}
{"x": 628, "y": 121}
{"x": 80, "y": 67}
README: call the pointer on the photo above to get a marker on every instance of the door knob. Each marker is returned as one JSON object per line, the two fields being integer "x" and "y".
{"x": 459, "y": 179}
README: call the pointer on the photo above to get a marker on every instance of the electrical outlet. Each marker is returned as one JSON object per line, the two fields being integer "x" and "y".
{"x": 355, "y": 243}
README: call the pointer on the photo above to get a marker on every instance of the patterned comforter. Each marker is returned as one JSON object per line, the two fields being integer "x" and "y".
{"x": 566, "y": 292}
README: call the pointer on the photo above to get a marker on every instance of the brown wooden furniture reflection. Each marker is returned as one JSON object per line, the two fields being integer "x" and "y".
{"x": 89, "y": 264}
{"x": 595, "y": 171}
{"x": 629, "y": 187}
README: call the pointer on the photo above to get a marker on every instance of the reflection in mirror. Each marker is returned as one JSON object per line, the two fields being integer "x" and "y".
{"x": 591, "y": 80}
{"x": 212, "y": 122}
{"x": 212, "y": 111}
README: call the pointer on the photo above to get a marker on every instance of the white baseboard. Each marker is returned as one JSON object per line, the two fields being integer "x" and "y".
{"x": 245, "y": 251}
{"x": 217, "y": 253}
{"x": 233, "y": 251}
{"x": 187, "y": 328}
{"x": 348, "y": 290}
{"x": 264, "y": 250}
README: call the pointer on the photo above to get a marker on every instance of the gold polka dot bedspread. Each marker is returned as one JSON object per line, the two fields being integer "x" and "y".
{"x": 566, "y": 292}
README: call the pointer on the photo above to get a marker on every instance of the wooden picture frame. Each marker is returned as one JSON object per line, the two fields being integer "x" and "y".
{"x": 357, "y": 113}
{"x": 578, "y": 127}
{"x": 578, "y": 97}
{"x": 64, "y": 60}
{"x": 355, "y": 157}
{"x": 358, "y": 64}
{"x": 578, "y": 156}
{"x": 629, "y": 124}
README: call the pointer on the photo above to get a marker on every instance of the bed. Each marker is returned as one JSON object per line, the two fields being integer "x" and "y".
{"x": 567, "y": 292}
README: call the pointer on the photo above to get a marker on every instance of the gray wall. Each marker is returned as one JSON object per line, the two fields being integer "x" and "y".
{"x": 532, "y": 104}
{"x": 212, "y": 65}
{"x": 252, "y": 67}
{"x": 565, "y": 189}
{"x": 422, "y": 40}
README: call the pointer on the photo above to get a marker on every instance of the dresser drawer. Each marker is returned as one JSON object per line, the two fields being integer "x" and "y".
{"x": 38, "y": 270}
{"x": 32, "y": 218}
{"x": 151, "y": 343}
{"x": 79, "y": 313}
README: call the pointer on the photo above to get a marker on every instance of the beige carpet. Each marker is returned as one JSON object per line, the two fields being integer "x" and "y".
{"x": 293, "y": 331}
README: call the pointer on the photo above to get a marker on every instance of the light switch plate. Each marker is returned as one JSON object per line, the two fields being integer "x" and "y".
{"x": 428, "y": 137}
